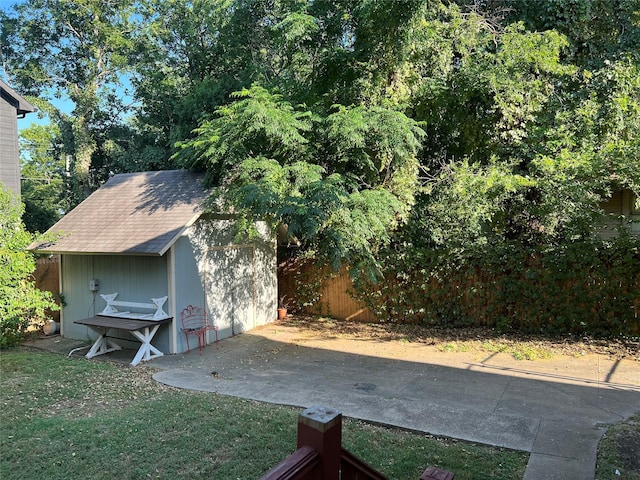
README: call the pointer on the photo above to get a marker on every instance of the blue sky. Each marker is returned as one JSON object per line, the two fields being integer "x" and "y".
{"x": 5, "y": 4}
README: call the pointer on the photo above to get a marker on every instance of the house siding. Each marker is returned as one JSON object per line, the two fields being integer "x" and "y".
{"x": 188, "y": 287}
{"x": 9, "y": 153}
{"x": 628, "y": 202}
{"x": 619, "y": 212}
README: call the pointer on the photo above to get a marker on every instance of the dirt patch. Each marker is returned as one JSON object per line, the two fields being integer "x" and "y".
{"x": 470, "y": 339}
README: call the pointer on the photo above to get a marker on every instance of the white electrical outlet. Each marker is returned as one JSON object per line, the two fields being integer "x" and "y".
{"x": 94, "y": 283}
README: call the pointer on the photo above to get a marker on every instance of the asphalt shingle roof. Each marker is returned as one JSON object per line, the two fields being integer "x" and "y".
{"x": 132, "y": 213}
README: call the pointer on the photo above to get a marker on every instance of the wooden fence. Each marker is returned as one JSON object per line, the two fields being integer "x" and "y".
{"x": 47, "y": 277}
{"x": 574, "y": 298}
{"x": 332, "y": 298}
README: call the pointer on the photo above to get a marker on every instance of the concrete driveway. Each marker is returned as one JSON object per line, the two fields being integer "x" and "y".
{"x": 556, "y": 408}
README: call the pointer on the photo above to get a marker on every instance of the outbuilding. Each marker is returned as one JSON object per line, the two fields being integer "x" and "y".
{"x": 147, "y": 235}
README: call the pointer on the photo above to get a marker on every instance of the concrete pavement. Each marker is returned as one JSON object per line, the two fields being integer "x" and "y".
{"x": 557, "y": 409}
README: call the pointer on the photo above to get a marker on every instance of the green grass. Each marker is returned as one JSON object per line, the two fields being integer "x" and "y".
{"x": 619, "y": 451}
{"x": 66, "y": 418}
{"x": 520, "y": 350}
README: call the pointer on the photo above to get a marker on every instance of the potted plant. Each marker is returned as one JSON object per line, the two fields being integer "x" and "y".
{"x": 283, "y": 305}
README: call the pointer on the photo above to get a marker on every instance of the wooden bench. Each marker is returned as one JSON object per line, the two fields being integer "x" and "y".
{"x": 142, "y": 326}
{"x": 156, "y": 304}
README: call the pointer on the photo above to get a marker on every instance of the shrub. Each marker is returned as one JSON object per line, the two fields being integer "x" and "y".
{"x": 21, "y": 304}
{"x": 585, "y": 287}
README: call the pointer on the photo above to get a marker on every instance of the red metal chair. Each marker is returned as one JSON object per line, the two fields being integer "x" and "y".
{"x": 195, "y": 321}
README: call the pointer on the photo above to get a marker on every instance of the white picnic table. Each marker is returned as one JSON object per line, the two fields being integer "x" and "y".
{"x": 144, "y": 330}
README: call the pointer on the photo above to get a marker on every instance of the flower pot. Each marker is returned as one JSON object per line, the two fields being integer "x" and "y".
{"x": 282, "y": 313}
{"x": 51, "y": 327}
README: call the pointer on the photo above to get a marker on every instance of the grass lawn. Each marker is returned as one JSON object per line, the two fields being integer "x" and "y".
{"x": 66, "y": 418}
{"x": 619, "y": 451}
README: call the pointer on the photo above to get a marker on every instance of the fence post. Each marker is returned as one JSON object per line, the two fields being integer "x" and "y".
{"x": 433, "y": 473}
{"x": 321, "y": 429}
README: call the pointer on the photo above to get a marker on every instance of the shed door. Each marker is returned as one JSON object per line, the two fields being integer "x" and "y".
{"x": 230, "y": 289}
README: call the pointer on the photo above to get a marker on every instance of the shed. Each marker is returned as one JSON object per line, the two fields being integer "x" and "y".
{"x": 146, "y": 235}
{"x": 12, "y": 106}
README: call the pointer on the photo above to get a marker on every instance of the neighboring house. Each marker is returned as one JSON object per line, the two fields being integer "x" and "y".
{"x": 12, "y": 106}
{"x": 145, "y": 235}
{"x": 622, "y": 210}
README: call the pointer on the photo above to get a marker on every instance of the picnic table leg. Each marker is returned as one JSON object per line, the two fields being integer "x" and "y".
{"x": 146, "y": 350}
{"x": 102, "y": 344}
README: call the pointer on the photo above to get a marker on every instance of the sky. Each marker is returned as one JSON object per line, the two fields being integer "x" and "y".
{"x": 5, "y": 4}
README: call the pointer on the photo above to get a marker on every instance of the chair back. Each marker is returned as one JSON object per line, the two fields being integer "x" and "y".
{"x": 194, "y": 318}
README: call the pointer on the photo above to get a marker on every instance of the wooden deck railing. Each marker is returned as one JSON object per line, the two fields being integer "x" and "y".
{"x": 352, "y": 468}
{"x": 320, "y": 456}
{"x": 300, "y": 465}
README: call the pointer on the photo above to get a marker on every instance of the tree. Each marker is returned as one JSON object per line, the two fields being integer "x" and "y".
{"x": 193, "y": 55}
{"x": 21, "y": 303}
{"x": 506, "y": 112}
{"x": 597, "y": 30}
{"x": 76, "y": 51}
{"x": 341, "y": 183}
{"x": 511, "y": 126}
{"x": 180, "y": 75}
{"x": 43, "y": 177}
{"x": 472, "y": 123}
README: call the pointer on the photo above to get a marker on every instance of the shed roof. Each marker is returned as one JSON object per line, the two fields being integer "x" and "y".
{"x": 132, "y": 213}
{"x": 11, "y": 96}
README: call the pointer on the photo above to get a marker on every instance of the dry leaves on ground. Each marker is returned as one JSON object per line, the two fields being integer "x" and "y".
{"x": 472, "y": 339}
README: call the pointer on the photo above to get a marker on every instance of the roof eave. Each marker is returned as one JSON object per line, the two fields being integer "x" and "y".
{"x": 175, "y": 238}
{"x": 159, "y": 253}
{"x": 21, "y": 105}
{"x": 52, "y": 251}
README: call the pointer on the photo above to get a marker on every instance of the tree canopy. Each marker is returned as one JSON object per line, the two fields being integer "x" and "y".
{"x": 360, "y": 125}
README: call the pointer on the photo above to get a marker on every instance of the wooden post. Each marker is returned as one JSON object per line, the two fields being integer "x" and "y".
{"x": 433, "y": 473}
{"x": 321, "y": 429}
